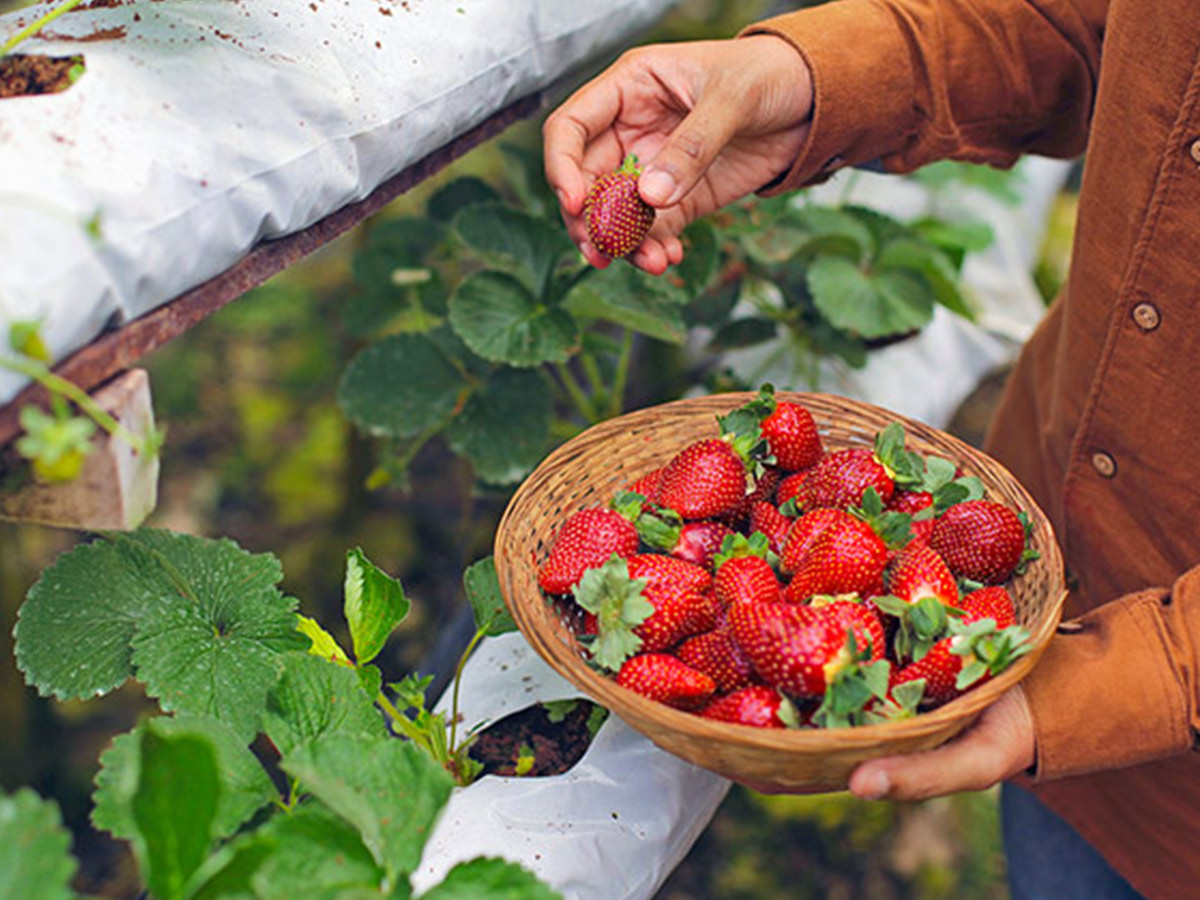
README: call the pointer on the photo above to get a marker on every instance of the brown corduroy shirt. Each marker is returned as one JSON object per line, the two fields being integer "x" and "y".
{"x": 1101, "y": 419}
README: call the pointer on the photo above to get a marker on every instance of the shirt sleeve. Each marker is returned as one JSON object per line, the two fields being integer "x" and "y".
{"x": 1120, "y": 685}
{"x": 908, "y": 82}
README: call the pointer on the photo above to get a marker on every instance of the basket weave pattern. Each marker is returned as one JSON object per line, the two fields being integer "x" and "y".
{"x": 589, "y": 469}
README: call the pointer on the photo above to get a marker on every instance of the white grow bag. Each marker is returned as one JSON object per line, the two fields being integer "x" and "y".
{"x": 203, "y": 127}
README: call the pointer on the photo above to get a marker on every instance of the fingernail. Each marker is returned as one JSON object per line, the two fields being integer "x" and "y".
{"x": 657, "y": 187}
{"x": 874, "y": 785}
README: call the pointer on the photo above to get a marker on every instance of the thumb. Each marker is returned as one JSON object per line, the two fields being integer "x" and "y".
{"x": 690, "y": 150}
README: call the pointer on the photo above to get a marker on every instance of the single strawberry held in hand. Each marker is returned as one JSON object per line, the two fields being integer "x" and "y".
{"x": 616, "y": 216}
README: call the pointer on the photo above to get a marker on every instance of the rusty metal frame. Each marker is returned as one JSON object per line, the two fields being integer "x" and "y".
{"x": 115, "y": 351}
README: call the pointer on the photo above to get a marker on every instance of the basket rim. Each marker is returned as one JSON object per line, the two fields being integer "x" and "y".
{"x": 628, "y": 704}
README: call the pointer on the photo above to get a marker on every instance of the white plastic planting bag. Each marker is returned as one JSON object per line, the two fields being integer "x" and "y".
{"x": 612, "y": 828}
{"x": 202, "y": 127}
{"x": 928, "y": 376}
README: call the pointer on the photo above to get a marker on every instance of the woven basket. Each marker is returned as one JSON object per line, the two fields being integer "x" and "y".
{"x": 590, "y": 468}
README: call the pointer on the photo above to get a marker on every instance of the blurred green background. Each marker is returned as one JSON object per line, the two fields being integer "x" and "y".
{"x": 258, "y": 450}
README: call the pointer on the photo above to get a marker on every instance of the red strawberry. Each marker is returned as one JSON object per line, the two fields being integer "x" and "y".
{"x": 746, "y": 579}
{"x": 993, "y": 603}
{"x": 766, "y": 519}
{"x": 847, "y": 558}
{"x": 586, "y": 539}
{"x": 759, "y": 706}
{"x": 792, "y": 436}
{"x": 717, "y": 655}
{"x": 841, "y": 478}
{"x": 696, "y": 542}
{"x": 859, "y": 615}
{"x": 704, "y": 480}
{"x": 980, "y": 539}
{"x": 805, "y": 531}
{"x": 647, "y": 485}
{"x": 665, "y": 571}
{"x": 707, "y": 613}
{"x": 789, "y": 487}
{"x": 918, "y": 572}
{"x": 666, "y": 679}
{"x": 972, "y": 654}
{"x": 939, "y": 667}
{"x": 764, "y": 488}
{"x": 616, "y": 216}
{"x": 912, "y": 503}
{"x": 790, "y": 646}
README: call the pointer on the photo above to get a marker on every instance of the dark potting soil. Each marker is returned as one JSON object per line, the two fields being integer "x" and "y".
{"x": 540, "y": 740}
{"x": 23, "y": 75}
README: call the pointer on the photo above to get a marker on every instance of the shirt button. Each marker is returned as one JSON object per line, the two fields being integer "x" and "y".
{"x": 1195, "y": 150}
{"x": 1104, "y": 464}
{"x": 1146, "y": 316}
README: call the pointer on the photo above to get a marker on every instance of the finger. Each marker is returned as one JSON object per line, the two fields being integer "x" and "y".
{"x": 692, "y": 146}
{"x": 674, "y": 248}
{"x": 651, "y": 257}
{"x": 997, "y": 746}
{"x": 567, "y": 133}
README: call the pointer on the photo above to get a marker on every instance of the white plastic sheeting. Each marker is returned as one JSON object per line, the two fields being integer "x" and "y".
{"x": 202, "y": 127}
{"x": 612, "y": 828}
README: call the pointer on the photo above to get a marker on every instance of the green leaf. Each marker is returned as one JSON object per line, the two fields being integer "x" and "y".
{"x": 745, "y": 332}
{"x": 701, "y": 254}
{"x": 487, "y": 602}
{"x": 35, "y": 857}
{"x": 500, "y": 320}
{"x": 528, "y": 246}
{"x": 486, "y": 878}
{"x": 527, "y": 177}
{"x": 244, "y": 786}
{"x": 616, "y": 600}
{"x": 400, "y": 386}
{"x": 317, "y": 855}
{"x": 629, "y": 297}
{"x": 412, "y": 302}
{"x": 390, "y": 790}
{"x": 833, "y": 229}
{"x": 456, "y": 196}
{"x": 930, "y": 264}
{"x": 228, "y": 874}
{"x": 76, "y": 628}
{"x": 315, "y": 698}
{"x": 374, "y": 605}
{"x": 174, "y": 808}
{"x": 215, "y": 650}
{"x": 890, "y": 303}
{"x": 323, "y": 643}
{"x": 504, "y": 428}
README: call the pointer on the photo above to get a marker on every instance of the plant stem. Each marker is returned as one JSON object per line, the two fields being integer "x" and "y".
{"x": 462, "y": 662}
{"x": 56, "y": 384}
{"x": 581, "y": 400}
{"x": 37, "y": 25}
{"x": 403, "y": 723}
{"x": 616, "y": 402}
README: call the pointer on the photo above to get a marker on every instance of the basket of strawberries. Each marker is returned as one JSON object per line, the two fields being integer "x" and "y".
{"x": 778, "y": 587}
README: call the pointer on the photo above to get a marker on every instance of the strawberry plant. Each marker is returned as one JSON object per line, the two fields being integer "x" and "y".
{"x": 283, "y": 765}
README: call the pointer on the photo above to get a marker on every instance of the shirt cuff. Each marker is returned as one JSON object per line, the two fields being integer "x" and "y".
{"x": 1108, "y": 692}
{"x": 861, "y": 110}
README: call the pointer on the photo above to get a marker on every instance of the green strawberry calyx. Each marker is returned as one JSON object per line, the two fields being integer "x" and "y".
{"x": 986, "y": 649}
{"x": 893, "y": 527}
{"x": 659, "y": 527}
{"x": 852, "y": 684}
{"x": 630, "y": 166}
{"x": 921, "y": 624}
{"x": 737, "y": 545}
{"x": 617, "y": 602}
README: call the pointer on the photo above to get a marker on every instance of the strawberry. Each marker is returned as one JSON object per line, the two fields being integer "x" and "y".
{"x": 665, "y": 571}
{"x": 707, "y": 478}
{"x": 791, "y": 647}
{"x": 980, "y": 540}
{"x": 666, "y": 679}
{"x": 697, "y": 542}
{"x": 707, "y": 613}
{"x": 616, "y": 216}
{"x": 792, "y": 436}
{"x": 971, "y": 654}
{"x": 805, "y": 531}
{"x": 766, "y": 519}
{"x": 842, "y": 478}
{"x": 758, "y": 705}
{"x": 850, "y": 612}
{"x": 743, "y": 574}
{"x": 717, "y": 655}
{"x": 647, "y": 485}
{"x": 918, "y": 572}
{"x": 914, "y": 503}
{"x": 993, "y": 603}
{"x": 848, "y": 557}
{"x": 789, "y": 488}
{"x": 586, "y": 539}
{"x": 764, "y": 488}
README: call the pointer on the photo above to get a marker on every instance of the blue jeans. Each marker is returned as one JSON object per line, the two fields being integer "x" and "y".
{"x": 1047, "y": 858}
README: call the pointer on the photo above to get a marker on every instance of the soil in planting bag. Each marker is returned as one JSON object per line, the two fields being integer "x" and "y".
{"x": 202, "y": 127}
{"x": 928, "y": 375}
{"x": 612, "y": 828}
